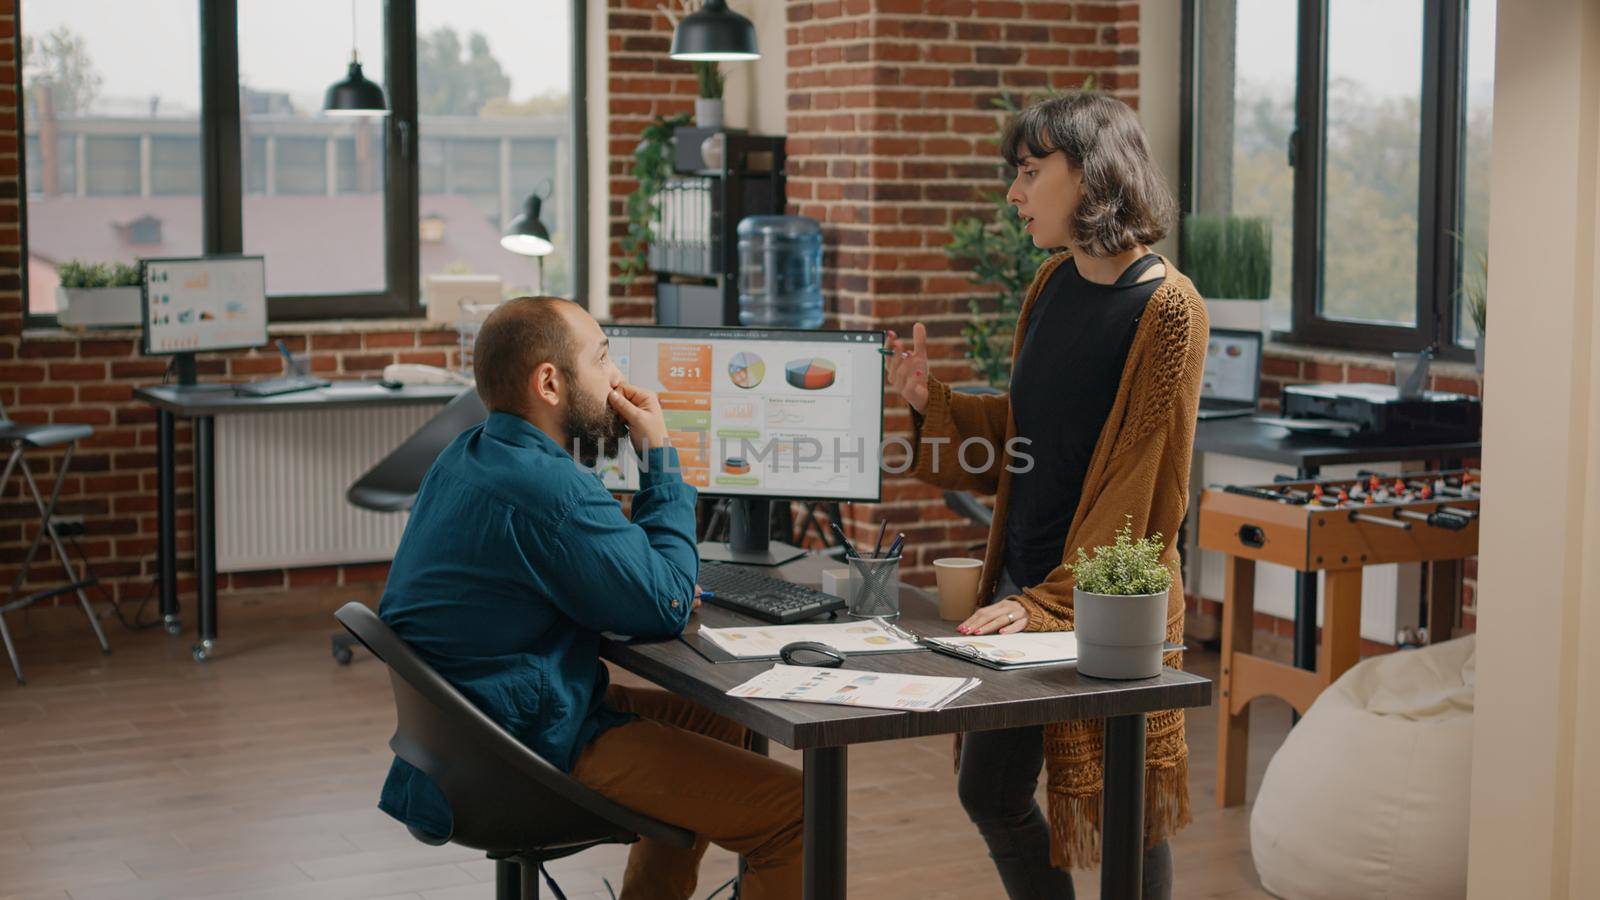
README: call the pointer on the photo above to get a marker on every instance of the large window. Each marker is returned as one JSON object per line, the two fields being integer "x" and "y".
{"x": 1360, "y": 130}
{"x": 222, "y": 146}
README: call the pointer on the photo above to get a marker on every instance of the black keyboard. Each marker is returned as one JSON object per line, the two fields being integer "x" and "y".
{"x": 770, "y": 599}
{"x": 271, "y": 387}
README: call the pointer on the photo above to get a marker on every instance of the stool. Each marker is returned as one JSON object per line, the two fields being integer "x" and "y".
{"x": 22, "y": 438}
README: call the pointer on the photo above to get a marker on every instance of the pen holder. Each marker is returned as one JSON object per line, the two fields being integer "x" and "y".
{"x": 874, "y": 588}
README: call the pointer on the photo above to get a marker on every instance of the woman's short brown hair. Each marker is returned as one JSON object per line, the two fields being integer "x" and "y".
{"x": 1125, "y": 200}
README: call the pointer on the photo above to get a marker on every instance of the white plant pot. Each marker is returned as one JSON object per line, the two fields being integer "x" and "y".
{"x": 708, "y": 112}
{"x": 1120, "y": 636}
{"x": 105, "y": 307}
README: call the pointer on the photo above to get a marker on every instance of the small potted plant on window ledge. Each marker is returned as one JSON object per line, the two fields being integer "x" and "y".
{"x": 1120, "y": 607}
{"x": 1229, "y": 258}
{"x": 97, "y": 294}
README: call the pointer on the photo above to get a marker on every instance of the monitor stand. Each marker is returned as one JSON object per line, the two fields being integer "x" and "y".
{"x": 749, "y": 519}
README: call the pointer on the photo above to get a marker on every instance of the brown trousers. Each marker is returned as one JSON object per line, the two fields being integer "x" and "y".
{"x": 687, "y": 766}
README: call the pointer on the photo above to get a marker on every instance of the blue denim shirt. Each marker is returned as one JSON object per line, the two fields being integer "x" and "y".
{"x": 513, "y": 562}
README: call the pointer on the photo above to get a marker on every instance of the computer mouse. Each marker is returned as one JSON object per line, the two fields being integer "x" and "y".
{"x": 811, "y": 653}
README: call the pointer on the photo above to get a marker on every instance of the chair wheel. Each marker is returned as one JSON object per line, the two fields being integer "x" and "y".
{"x": 342, "y": 656}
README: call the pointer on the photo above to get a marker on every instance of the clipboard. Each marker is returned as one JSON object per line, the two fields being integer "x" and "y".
{"x": 716, "y": 654}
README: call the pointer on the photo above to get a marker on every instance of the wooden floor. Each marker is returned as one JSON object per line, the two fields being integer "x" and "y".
{"x": 146, "y": 776}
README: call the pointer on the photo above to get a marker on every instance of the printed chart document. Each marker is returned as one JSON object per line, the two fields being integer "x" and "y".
{"x": 764, "y": 641}
{"x": 851, "y": 687}
{"x": 1011, "y": 651}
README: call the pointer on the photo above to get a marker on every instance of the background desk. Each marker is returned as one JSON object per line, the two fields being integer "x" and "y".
{"x": 203, "y": 403}
{"x": 1004, "y": 700}
{"x": 1308, "y": 454}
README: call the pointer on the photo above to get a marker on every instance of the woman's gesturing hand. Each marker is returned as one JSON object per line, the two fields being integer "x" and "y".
{"x": 908, "y": 366}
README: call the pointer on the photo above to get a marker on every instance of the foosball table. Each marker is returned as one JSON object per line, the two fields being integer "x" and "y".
{"x": 1336, "y": 526}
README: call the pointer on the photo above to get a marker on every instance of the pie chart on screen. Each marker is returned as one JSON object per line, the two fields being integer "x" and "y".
{"x": 809, "y": 374}
{"x": 746, "y": 370}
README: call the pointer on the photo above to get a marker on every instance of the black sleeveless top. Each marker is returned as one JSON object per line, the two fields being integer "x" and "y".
{"x": 1062, "y": 387}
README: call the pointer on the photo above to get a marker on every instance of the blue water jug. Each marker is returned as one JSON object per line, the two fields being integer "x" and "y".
{"x": 780, "y": 272}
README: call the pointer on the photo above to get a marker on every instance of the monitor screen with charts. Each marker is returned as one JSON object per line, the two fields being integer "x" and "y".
{"x": 1233, "y": 367}
{"x": 758, "y": 412}
{"x": 194, "y": 305}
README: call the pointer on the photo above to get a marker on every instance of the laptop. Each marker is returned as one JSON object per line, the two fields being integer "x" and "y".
{"x": 1231, "y": 386}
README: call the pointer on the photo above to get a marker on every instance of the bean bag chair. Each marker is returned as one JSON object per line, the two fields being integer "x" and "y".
{"x": 1367, "y": 797}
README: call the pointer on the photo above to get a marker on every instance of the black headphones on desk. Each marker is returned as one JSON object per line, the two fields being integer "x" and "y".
{"x": 811, "y": 653}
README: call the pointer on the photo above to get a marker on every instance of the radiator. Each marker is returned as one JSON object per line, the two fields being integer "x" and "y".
{"x": 281, "y": 479}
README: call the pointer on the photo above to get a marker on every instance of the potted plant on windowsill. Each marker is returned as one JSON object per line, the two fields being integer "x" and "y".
{"x": 97, "y": 294}
{"x": 1120, "y": 607}
{"x": 1476, "y": 292}
{"x": 1229, "y": 259}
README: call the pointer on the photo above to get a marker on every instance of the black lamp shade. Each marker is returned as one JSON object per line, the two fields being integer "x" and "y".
{"x": 714, "y": 32}
{"x": 526, "y": 234}
{"x": 355, "y": 96}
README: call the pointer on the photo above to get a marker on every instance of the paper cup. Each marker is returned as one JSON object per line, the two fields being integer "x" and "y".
{"x": 958, "y": 586}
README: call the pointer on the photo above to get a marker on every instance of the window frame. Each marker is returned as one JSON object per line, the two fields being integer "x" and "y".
{"x": 1440, "y": 190}
{"x": 222, "y": 174}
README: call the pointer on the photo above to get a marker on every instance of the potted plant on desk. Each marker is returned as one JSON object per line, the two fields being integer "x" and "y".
{"x": 1120, "y": 607}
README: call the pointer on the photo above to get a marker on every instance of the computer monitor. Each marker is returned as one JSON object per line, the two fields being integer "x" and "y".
{"x": 1233, "y": 368}
{"x": 760, "y": 414}
{"x": 192, "y": 305}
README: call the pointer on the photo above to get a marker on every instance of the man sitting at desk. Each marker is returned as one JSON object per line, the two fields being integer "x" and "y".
{"x": 516, "y": 559}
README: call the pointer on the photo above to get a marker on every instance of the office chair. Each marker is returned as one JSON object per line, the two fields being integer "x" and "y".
{"x": 392, "y": 484}
{"x": 505, "y": 799}
{"x": 23, "y": 438}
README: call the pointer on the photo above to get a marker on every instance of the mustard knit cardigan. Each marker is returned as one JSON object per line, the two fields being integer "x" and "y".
{"x": 1140, "y": 466}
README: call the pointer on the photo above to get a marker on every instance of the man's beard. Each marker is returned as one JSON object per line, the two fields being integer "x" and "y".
{"x": 594, "y": 429}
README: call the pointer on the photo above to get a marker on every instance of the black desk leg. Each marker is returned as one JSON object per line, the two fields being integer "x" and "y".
{"x": 825, "y": 782}
{"x": 167, "y": 520}
{"x": 205, "y": 535}
{"x": 1305, "y": 611}
{"x": 1122, "y": 809}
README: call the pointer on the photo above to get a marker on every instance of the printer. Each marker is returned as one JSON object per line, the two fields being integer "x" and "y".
{"x": 1378, "y": 412}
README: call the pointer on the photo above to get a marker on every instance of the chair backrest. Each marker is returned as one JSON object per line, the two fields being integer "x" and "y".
{"x": 503, "y": 796}
{"x": 391, "y": 485}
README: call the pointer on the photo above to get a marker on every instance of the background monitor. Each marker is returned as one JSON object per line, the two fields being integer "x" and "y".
{"x": 761, "y": 414}
{"x": 1233, "y": 366}
{"x": 199, "y": 304}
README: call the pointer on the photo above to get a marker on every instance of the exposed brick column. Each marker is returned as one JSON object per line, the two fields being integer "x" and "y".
{"x": 891, "y": 139}
{"x": 642, "y": 83}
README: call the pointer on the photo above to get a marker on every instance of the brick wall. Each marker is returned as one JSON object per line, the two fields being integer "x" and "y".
{"x": 891, "y": 139}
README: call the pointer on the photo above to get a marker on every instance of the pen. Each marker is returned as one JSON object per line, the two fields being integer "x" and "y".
{"x": 894, "y": 549}
{"x": 706, "y": 595}
{"x": 287, "y": 356}
{"x": 882, "y": 527}
{"x": 848, "y": 547}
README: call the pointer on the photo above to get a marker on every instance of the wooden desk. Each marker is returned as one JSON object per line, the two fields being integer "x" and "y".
{"x": 202, "y": 403}
{"x": 823, "y": 733}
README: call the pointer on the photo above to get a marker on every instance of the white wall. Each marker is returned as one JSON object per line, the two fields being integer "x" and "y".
{"x": 1536, "y": 740}
{"x": 1160, "y": 36}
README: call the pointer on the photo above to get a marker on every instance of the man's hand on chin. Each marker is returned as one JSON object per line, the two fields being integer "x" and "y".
{"x": 641, "y": 409}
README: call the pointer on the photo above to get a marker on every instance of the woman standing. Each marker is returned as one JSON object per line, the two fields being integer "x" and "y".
{"x": 1107, "y": 361}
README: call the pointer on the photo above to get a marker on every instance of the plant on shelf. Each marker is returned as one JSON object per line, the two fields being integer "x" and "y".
{"x": 1124, "y": 568}
{"x": 1229, "y": 257}
{"x": 710, "y": 78}
{"x": 76, "y": 274}
{"x": 652, "y": 166}
{"x": 1002, "y": 256}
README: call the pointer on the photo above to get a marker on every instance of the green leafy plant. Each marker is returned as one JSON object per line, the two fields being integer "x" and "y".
{"x": 1229, "y": 257}
{"x": 76, "y": 274}
{"x": 1125, "y": 568}
{"x": 652, "y": 166}
{"x": 709, "y": 74}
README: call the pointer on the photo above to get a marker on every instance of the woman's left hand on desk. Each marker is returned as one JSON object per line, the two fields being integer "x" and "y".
{"x": 1001, "y": 617}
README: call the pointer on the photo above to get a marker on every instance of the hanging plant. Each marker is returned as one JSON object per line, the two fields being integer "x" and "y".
{"x": 652, "y": 166}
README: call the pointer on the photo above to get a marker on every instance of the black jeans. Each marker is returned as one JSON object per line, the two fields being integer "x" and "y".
{"x": 999, "y": 774}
